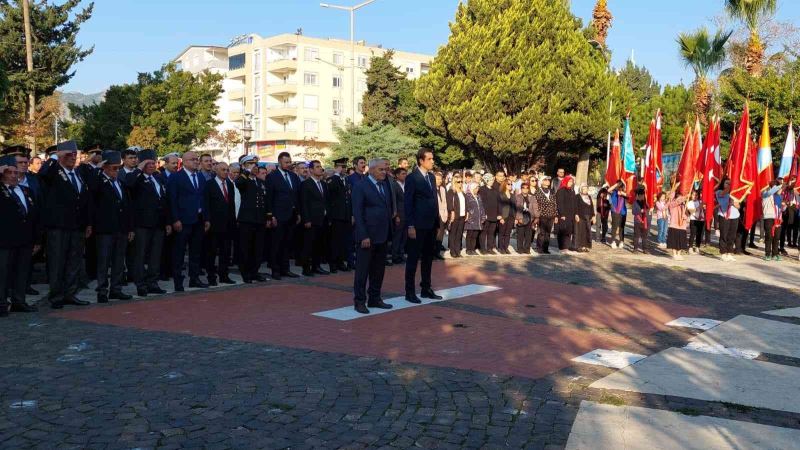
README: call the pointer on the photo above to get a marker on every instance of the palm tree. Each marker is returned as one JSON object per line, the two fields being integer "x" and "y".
{"x": 601, "y": 21}
{"x": 750, "y": 12}
{"x": 704, "y": 54}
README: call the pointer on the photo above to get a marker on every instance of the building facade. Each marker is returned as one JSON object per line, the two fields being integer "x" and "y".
{"x": 293, "y": 90}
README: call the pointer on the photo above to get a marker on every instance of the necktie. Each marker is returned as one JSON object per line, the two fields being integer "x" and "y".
{"x": 286, "y": 176}
{"x": 380, "y": 190}
{"x": 225, "y": 191}
{"x": 116, "y": 188}
{"x": 319, "y": 186}
{"x": 155, "y": 186}
{"x": 74, "y": 181}
{"x": 194, "y": 180}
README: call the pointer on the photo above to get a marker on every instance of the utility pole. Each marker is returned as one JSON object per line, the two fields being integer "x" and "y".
{"x": 26, "y": 18}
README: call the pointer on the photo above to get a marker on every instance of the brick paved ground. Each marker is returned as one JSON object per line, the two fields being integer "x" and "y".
{"x": 248, "y": 367}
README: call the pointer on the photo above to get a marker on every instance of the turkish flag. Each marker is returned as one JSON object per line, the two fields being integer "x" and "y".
{"x": 614, "y": 163}
{"x": 743, "y": 162}
{"x": 687, "y": 168}
{"x": 712, "y": 170}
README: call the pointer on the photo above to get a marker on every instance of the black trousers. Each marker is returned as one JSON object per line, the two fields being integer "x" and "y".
{"x": 111, "y": 250}
{"x": 543, "y": 234}
{"x": 282, "y": 239}
{"x": 218, "y": 254}
{"x": 251, "y": 246}
{"x": 191, "y": 236}
{"x": 487, "y": 238}
{"x": 772, "y": 240}
{"x": 440, "y": 238}
{"x": 696, "y": 228}
{"x": 147, "y": 246}
{"x": 14, "y": 267}
{"x": 741, "y": 236}
{"x": 420, "y": 250}
{"x": 618, "y": 228}
{"x": 64, "y": 253}
{"x": 399, "y": 239}
{"x": 601, "y": 229}
{"x": 727, "y": 234}
{"x": 524, "y": 234}
{"x": 504, "y": 233}
{"x": 370, "y": 267}
{"x": 639, "y": 237}
{"x": 341, "y": 231}
{"x": 455, "y": 235}
{"x": 313, "y": 246}
{"x": 564, "y": 233}
{"x": 472, "y": 239}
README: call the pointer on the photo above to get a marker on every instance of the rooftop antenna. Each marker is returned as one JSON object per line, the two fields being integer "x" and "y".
{"x": 633, "y": 57}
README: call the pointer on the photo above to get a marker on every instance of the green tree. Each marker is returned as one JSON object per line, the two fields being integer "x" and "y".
{"x": 3, "y": 83}
{"x": 373, "y": 141}
{"x": 382, "y": 99}
{"x": 55, "y": 52}
{"x": 516, "y": 81}
{"x": 751, "y": 12}
{"x": 180, "y": 106}
{"x": 703, "y": 54}
{"x": 107, "y": 123}
{"x": 677, "y": 105}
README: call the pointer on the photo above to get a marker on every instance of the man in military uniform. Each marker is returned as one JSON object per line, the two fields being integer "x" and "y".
{"x": 340, "y": 214}
{"x": 65, "y": 216}
{"x": 89, "y": 171}
{"x": 113, "y": 227}
{"x": 19, "y": 237}
{"x": 130, "y": 161}
{"x": 253, "y": 220}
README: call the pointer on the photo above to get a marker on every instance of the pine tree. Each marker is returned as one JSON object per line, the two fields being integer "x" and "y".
{"x": 518, "y": 81}
{"x": 382, "y": 98}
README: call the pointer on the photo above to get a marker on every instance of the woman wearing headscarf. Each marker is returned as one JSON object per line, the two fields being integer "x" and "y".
{"x": 476, "y": 216}
{"x": 567, "y": 208}
{"x": 584, "y": 218}
{"x": 507, "y": 213}
{"x": 603, "y": 208}
{"x": 490, "y": 197}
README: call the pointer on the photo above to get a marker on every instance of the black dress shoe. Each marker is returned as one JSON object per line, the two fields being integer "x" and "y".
{"x": 321, "y": 271}
{"x": 56, "y": 305}
{"x": 438, "y": 256}
{"x": 179, "y": 289}
{"x": 141, "y": 292}
{"x": 212, "y": 282}
{"x": 290, "y": 274}
{"x": 362, "y": 309}
{"x": 413, "y": 298}
{"x": 119, "y": 296}
{"x": 430, "y": 294}
{"x": 102, "y": 298}
{"x": 31, "y": 291}
{"x": 379, "y": 304}
{"x": 258, "y": 278}
{"x": 308, "y": 273}
{"x": 75, "y": 301}
{"x": 23, "y": 307}
{"x": 226, "y": 280}
{"x": 156, "y": 290}
{"x": 197, "y": 284}
{"x": 276, "y": 276}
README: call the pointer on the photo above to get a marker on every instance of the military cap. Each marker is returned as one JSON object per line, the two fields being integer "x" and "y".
{"x": 248, "y": 158}
{"x": 340, "y": 161}
{"x": 111, "y": 157}
{"x": 95, "y": 149}
{"x": 16, "y": 150}
{"x": 68, "y": 146}
{"x": 146, "y": 154}
{"x": 8, "y": 160}
{"x": 50, "y": 150}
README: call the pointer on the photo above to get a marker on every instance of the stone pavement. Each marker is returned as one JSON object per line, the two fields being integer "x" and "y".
{"x": 252, "y": 367}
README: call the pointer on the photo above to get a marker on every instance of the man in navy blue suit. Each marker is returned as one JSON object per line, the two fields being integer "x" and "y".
{"x": 283, "y": 190}
{"x": 372, "y": 212}
{"x": 422, "y": 221}
{"x": 185, "y": 190}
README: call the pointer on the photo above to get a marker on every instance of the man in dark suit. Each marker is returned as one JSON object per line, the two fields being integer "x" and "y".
{"x": 399, "y": 232}
{"x": 359, "y": 174}
{"x": 340, "y": 215}
{"x": 314, "y": 218}
{"x": 112, "y": 222}
{"x": 220, "y": 207}
{"x": 170, "y": 167}
{"x": 372, "y": 214}
{"x": 253, "y": 220}
{"x": 19, "y": 237}
{"x": 151, "y": 223}
{"x": 422, "y": 221}
{"x": 185, "y": 190}
{"x": 89, "y": 171}
{"x": 66, "y": 218}
{"x": 283, "y": 198}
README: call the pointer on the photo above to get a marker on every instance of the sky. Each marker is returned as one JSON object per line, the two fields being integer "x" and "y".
{"x": 131, "y": 36}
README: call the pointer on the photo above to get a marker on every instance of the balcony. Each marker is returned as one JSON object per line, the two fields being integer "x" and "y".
{"x": 289, "y": 88}
{"x": 283, "y": 135}
{"x": 235, "y": 116}
{"x": 236, "y": 94}
{"x": 282, "y": 111}
{"x": 281, "y": 66}
{"x": 237, "y": 74}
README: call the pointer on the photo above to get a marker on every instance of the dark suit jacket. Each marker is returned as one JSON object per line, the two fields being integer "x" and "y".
{"x": 399, "y": 200}
{"x": 421, "y": 201}
{"x": 372, "y": 213}
{"x": 220, "y": 213}
{"x": 283, "y": 200}
{"x": 313, "y": 202}
{"x": 184, "y": 200}
{"x": 149, "y": 209}
{"x": 64, "y": 208}
{"x": 253, "y": 207}
{"x": 113, "y": 211}
{"x": 18, "y": 227}
{"x": 339, "y": 206}
{"x": 354, "y": 178}
{"x": 35, "y": 186}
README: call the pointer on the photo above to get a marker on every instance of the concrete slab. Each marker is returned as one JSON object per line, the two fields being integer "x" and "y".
{"x": 697, "y": 323}
{"x": 720, "y": 349}
{"x": 609, "y": 358}
{"x": 599, "y": 426}
{"x": 705, "y": 376}
{"x": 753, "y": 333}
{"x": 788, "y": 312}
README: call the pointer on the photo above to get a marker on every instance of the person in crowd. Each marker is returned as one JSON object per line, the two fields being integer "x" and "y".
{"x": 130, "y": 160}
{"x": 89, "y": 170}
{"x": 29, "y": 181}
{"x": 399, "y": 233}
{"x": 314, "y": 219}
{"x": 359, "y": 171}
{"x": 545, "y": 215}
{"x": 151, "y": 223}
{"x": 603, "y": 208}
{"x": 220, "y": 215}
{"x": 207, "y": 166}
{"x": 560, "y": 174}
{"x": 641, "y": 222}
{"x": 422, "y": 221}
{"x": 678, "y": 222}
{"x": 742, "y": 233}
{"x": 340, "y": 214}
{"x": 36, "y": 164}
{"x": 728, "y": 215}
{"x": 524, "y": 218}
{"x": 457, "y": 215}
{"x": 443, "y": 214}
{"x": 506, "y": 217}
{"x": 772, "y": 209}
{"x": 402, "y": 163}
{"x": 567, "y": 206}
{"x": 490, "y": 197}
{"x": 788, "y": 217}
{"x": 20, "y": 237}
{"x": 171, "y": 162}
{"x": 662, "y": 219}
{"x": 283, "y": 196}
{"x": 476, "y": 216}
{"x": 253, "y": 220}
{"x": 170, "y": 165}
{"x": 619, "y": 214}
{"x": 584, "y": 219}
{"x": 697, "y": 222}
{"x": 185, "y": 189}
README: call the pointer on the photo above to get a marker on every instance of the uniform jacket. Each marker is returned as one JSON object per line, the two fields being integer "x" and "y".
{"x": 64, "y": 208}
{"x": 340, "y": 207}
{"x": 18, "y": 227}
{"x": 113, "y": 211}
{"x": 150, "y": 210}
{"x": 253, "y": 204}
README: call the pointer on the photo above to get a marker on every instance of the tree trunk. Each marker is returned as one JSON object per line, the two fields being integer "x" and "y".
{"x": 754, "y": 57}
{"x": 31, "y": 116}
{"x": 582, "y": 172}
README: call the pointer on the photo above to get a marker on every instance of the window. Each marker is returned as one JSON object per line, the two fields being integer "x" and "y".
{"x": 256, "y": 105}
{"x": 255, "y": 124}
{"x": 338, "y": 59}
{"x": 310, "y": 79}
{"x": 310, "y": 126}
{"x": 310, "y": 102}
{"x": 311, "y": 54}
{"x": 337, "y": 81}
{"x": 362, "y": 61}
{"x": 257, "y": 83}
{"x": 360, "y": 107}
{"x": 257, "y": 61}
{"x": 409, "y": 70}
{"x": 236, "y": 61}
{"x": 362, "y": 85}
{"x": 337, "y": 107}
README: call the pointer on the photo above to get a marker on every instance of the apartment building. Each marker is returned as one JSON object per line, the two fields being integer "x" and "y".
{"x": 294, "y": 90}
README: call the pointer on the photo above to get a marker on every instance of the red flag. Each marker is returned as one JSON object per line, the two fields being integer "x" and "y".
{"x": 658, "y": 152}
{"x": 650, "y": 168}
{"x": 614, "y": 163}
{"x": 743, "y": 161}
{"x": 687, "y": 169}
{"x": 712, "y": 170}
{"x": 754, "y": 210}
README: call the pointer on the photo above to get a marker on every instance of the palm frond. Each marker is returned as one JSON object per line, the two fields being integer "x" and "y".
{"x": 750, "y": 11}
{"x": 701, "y": 51}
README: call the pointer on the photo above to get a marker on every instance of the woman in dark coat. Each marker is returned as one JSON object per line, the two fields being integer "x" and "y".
{"x": 567, "y": 205}
{"x": 508, "y": 212}
{"x": 490, "y": 197}
{"x": 476, "y": 216}
{"x": 584, "y": 220}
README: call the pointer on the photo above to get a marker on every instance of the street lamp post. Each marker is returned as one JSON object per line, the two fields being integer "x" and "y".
{"x": 352, "y": 10}
{"x": 247, "y": 133}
